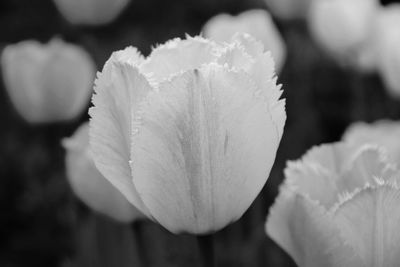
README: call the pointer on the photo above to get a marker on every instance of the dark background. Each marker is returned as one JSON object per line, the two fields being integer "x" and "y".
{"x": 43, "y": 224}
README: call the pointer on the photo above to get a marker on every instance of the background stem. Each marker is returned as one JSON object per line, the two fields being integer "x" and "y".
{"x": 206, "y": 249}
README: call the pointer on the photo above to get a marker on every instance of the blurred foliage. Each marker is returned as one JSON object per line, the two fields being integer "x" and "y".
{"x": 43, "y": 224}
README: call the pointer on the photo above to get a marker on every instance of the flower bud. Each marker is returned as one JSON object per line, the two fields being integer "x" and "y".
{"x": 257, "y": 23}
{"x": 47, "y": 83}
{"x": 339, "y": 206}
{"x": 342, "y": 28}
{"x": 190, "y": 133}
{"x": 90, "y": 12}
{"x": 89, "y": 185}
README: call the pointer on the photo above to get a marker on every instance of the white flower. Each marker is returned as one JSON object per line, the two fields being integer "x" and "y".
{"x": 47, "y": 83}
{"x": 384, "y": 133}
{"x": 342, "y": 27}
{"x": 386, "y": 40}
{"x": 190, "y": 133}
{"x": 339, "y": 206}
{"x": 288, "y": 9}
{"x": 257, "y": 23}
{"x": 90, "y": 12}
{"x": 89, "y": 185}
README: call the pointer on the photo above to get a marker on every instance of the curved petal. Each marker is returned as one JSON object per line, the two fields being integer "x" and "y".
{"x": 369, "y": 219}
{"x": 307, "y": 233}
{"x": 89, "y": 185}
{"x": 256, "y": 22}
{"x": 328, "y": 171}
{"x": 115, "y": 101}
{"x": 177, "y": 56}
{"x": 204, "y": 149}
{"x": 21, "y": 65}
{"x": 383, "y": 132}
{"x": 368, "y": 166}
{"x": 66, "y": 81}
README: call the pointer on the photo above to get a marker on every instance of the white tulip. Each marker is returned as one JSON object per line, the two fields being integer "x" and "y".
{"x": 339, "y": 206}
{"x": 189, "y": 134}
{"x": 384, "y": 133}
{"x": 257, "y": 23}
{"x": 288, "y": 9}
{"x": 90, "y": 12}
{"x": 342, "y": 28}
{"x": 386, "y": 38}
{"x": 89, "y": 185}
{"x": 47, "y": 83}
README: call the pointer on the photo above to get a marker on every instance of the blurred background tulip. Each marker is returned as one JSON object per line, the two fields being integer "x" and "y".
{"x": 386, "y": 39}
{"x": 257, "y": 23}
{"x": 338, "y": 206}
{"x": 342, "y": 28}
{"x": 48, "y": 82}
{"x": 288, "y": 9}
{"x": 90, "y": 12}
{"x": 89, "y": 185}
{"x": 384, "y": 133}
{"x": 189, "y": 134}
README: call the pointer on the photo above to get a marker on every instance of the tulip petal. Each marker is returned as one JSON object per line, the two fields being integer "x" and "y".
{"x": 204, "y": 149}
{"x": 384, "y": 133}
{"x": 369, "y": 219}
{"x": 89, "y": 185}
{"x": 115, "y": 103}
{"x": 368, "y": 166}
{"x": 177, "y": 56}
{"x": 305, "y": 230}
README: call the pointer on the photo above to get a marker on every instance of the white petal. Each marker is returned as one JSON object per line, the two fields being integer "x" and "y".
{"x": 384, "y": 133}
{"x": 386, "y": 37}
{"x": 326, "y": 172}
{"x": 247, "y": 54}
{"x": 370, "y": 220}
{"x": 307, "y": 233}
{"x": 90, "y": 12}
{"x": 257, "y": 22}
{"x": 89, "y": 185}
{"x": 288, "y": 9}
{"x": 48, "y": 83}
{"x": 342, "y": 27}
{"x": 204, "y": 150}
{"x": 116, "y": 100}
{"x": 368, "y": 166}
{"x": 21, "y": 64}
{"x": 177, "y": 56}
{"x": 67, "y": 80}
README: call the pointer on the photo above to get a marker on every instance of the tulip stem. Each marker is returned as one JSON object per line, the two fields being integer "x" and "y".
{"x": 140, "y": 243}
{"x": 206, "y": 249}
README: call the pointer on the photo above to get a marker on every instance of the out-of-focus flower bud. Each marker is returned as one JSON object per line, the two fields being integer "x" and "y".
{"x": 288, "y": 9}
{"x": 339, "y": 206}
{"x": 189, "y": 134}
{"x": 384, "y": 133}
{"x": 48, "y": 83}
{"x": 257, "y": 23}
{"x": 386, "y": 38}
{"x": 89, "y": 185}
{"x": 342, "y": 28}
{"x": 90, "y": 12}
